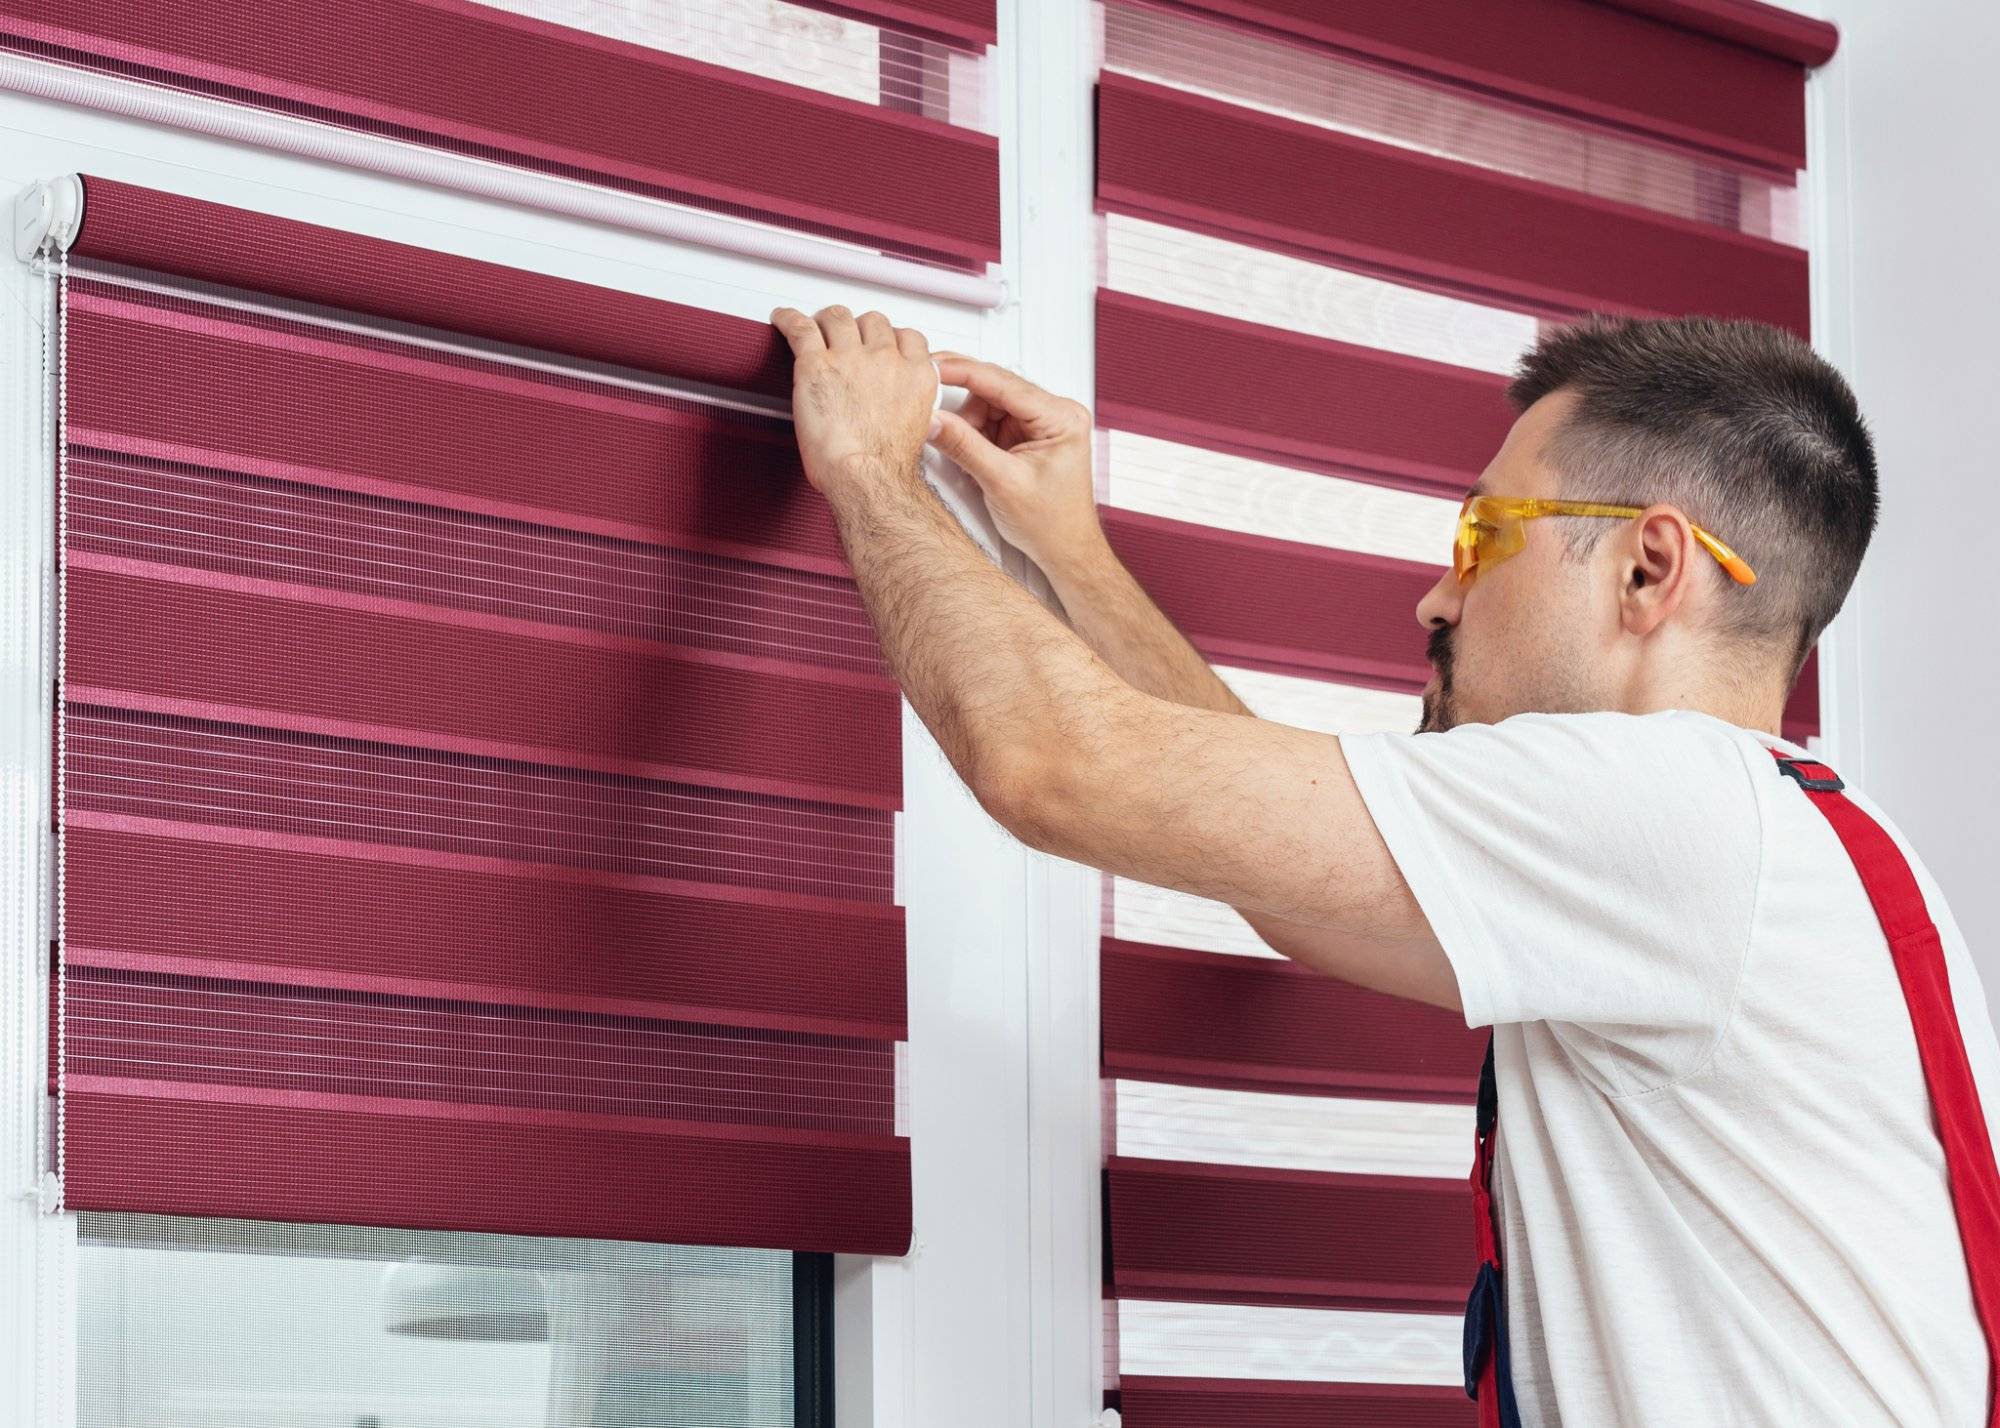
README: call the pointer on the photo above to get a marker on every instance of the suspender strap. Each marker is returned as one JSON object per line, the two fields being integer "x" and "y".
{"x": 1974, "y": 1179}
{"x": 1920, "y": 967}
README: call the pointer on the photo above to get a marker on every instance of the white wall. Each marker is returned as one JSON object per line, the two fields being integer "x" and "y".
{"x": 1909, "y": 113}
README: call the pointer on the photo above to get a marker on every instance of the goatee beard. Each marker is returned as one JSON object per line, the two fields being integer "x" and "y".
{"x": 1440, "y": 708}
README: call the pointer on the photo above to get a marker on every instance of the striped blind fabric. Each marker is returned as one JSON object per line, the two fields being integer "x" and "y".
{"x": 1717, "y": 75}
{"x": 967, "y": 24}
{"x": 1329, "y": 231}
{"x": 478, "y": 771}
{"x": 727, "y": 105}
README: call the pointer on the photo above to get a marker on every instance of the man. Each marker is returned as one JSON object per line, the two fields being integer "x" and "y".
{"x": 1722, "y": 1195}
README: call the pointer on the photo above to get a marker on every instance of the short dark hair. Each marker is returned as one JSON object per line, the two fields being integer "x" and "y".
{"x": 1741, "y": 425}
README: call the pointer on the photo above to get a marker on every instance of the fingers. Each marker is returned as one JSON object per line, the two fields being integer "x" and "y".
{"x": 979, "y": 416}
{"x": 836, "y": 327}
{"x": 799, "y": 330}
{"x": 839, "y": 327}
{"x": 875, "y": 329}
{"x": 1016, "y": 396}
{"x": 998, "y": 385}
{"x": 955, "y": 438}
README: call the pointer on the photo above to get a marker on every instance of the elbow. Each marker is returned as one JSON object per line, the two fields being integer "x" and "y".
{"x": 1026, "y": 791}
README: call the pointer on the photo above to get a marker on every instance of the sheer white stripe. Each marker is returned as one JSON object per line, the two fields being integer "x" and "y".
{"x": 1235, "y": 280}
{"x": 1309, "y": 1345}
{"x": 1142, "y": 913}
{"x": 1318, "y": 704}
{"x": 849, "y": 59}
{"x": 762, "y": 37}
{"x": 1186, "y": 483}
{"x": 1158, "y": 1121}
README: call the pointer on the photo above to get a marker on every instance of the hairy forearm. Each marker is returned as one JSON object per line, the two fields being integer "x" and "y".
{"x": 1115, "y": 616}
{"x": 1075, "y": 761}
{"x": 1163, "y": 780}
{"x": 1019, "y": 704}
{"x": 1112, "y": 612}
{"x": 993, "y": 675}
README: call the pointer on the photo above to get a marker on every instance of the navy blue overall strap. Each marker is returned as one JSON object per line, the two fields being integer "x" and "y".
{"x": 1489, "y": 1377}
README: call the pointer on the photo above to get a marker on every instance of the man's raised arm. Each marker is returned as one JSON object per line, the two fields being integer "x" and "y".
{"x": 1030, "y": 453}
{"x": 1029, "y": 450}
{"x": 1063, "y": 752}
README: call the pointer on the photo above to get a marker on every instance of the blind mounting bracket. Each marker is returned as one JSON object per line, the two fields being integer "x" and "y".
{"x": 48, "y": 214}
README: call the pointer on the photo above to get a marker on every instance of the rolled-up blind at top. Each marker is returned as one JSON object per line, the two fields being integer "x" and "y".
{"x": 1329, "y": 232}
{"x": 1727, "y": 77}
{"x": 479, "y": 774}
{"x": 730, "y": 109}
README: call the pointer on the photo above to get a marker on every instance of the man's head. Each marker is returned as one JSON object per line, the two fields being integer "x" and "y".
{"x": 1734, "y": 427}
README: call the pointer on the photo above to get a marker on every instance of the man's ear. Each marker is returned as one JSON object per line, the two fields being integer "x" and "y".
{"x": 1655, "y": 563}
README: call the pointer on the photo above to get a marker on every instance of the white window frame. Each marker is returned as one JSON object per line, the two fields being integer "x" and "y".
{"x": 993, "y": 1320}
{"x": 1842, "y": 740}
{"x": 37, "y": 1251}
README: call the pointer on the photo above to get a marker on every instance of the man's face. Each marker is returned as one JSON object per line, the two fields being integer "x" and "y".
{"x": 1524, "y": 634}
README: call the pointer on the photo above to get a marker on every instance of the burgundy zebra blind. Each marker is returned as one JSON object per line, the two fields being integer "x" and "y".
{"x": 966, "y": 24}
{"x": 1329, "y": 232}
{"x": 697, "y": 103}
{"x": 1721, "y": 75}
{"x": 478, "y": 771}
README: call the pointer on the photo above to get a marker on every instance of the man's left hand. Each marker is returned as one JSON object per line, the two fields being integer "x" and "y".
{"x": 862, "y": 395}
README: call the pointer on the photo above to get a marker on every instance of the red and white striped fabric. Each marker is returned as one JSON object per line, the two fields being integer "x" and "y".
{"x": 479, "y": 773}
{"x": 725, "y": 105}
{"x": 1329, "y": 231}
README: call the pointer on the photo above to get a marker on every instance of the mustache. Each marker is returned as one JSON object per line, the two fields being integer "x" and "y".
{"x": 1438, "y": 712}
{"x": 1439, "y": 651}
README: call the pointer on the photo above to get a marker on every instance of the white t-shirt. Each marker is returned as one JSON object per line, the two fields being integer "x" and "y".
{"x": 1723, "y": 1200}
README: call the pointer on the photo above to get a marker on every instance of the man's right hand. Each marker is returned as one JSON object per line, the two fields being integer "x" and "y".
{"x": 1029, "y": 450}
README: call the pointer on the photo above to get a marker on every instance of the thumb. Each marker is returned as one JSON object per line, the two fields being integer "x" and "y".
{"x": 953, "y": 435}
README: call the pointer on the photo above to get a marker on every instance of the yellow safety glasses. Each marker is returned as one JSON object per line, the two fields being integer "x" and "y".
{"x": 1491, "y": 528}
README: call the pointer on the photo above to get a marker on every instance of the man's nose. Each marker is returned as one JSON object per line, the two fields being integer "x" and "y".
{"x": 1441, "y": 603}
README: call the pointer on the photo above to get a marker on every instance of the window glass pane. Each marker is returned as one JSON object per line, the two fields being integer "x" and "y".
{"x": 228, "y": 1324}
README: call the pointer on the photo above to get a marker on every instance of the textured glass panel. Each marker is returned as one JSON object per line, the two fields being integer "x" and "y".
{"x": 1319, "y": 87}
{"x": 231, "y": 1324}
